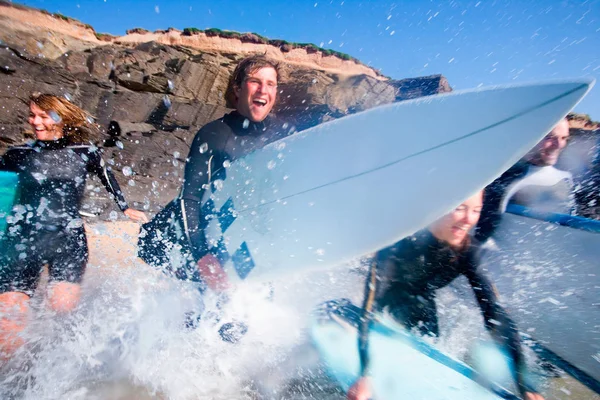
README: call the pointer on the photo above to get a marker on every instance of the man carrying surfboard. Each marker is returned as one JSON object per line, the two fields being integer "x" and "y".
{"x": 45, "y": 226}
{"x": 403, "y": 280}
{"x": 252, "y": 92}
{"x": 533, "y": 182}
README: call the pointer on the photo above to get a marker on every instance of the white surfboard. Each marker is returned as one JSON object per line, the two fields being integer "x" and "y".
{"x": 547, "y": 271}
{"x": 355, "y": 185}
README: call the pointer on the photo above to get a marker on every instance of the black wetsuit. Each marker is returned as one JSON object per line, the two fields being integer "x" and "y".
{"x": 559, "y": 193}
{"x": 404, "y": 278}
{"x": 45, "y": 227}
{"x": 217, "y": 143}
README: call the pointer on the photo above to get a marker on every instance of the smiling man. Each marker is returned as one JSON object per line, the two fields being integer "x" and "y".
{"x": 533, "y": 182}
{"x": 252, "y": 92}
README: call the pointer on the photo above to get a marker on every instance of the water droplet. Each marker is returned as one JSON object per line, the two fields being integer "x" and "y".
{"x": 170, "y": 85}
{"x": 271, "y": 164}
{"x": 285, "y": 177}
{"x": 131, "y": 182}
{"x": 119, "y": 144}
{"x": 176, "y": 154}
{"x": 55, "y": 117}
{"x": 280, "y": 146}
{"x": 203, "y": 148}
{"x": 167, "y": 101}
{"x": 218, "y": 184}
{"x": 127, "y": 171}
{"x": 320, "y": 252}
{"x": 113, "y": 216}
{"x": 89, "y": 119}
{"x": 68, "y": 97}
{"x": 246, "y": 123}
{"x": 226, "y": 164}
{"x": 38, "y": 176}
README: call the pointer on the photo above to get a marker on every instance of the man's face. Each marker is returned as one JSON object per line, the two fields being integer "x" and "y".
{"x": 256, "y": 96}
{"x": 546, "y": 152}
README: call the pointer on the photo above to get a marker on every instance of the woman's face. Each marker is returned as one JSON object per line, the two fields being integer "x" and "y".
{"x": 47, "y": 125}
{"x": 454, "y": 227}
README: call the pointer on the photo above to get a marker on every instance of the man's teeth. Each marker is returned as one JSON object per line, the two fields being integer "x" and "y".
{"x": 260, "y": 101}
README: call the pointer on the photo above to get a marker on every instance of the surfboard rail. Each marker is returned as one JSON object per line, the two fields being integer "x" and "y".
{"x": 570, "y": 221}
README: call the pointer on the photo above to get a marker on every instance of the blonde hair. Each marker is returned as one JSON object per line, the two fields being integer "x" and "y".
{"x": 76, "y": 122}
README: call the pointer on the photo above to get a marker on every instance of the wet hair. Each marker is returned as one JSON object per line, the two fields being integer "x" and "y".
{"x": 244, "y": 68}
{"x": 76, "y": 122}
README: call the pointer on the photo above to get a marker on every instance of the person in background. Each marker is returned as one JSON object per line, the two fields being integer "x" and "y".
{"x": 533, "y": 182}
{"x": 45, "y": 227}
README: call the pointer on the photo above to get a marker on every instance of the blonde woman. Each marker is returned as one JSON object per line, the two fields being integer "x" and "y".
{"x": 45, "y": 227}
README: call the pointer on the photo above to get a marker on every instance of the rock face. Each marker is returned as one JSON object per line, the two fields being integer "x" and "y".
{"x": 149, "y": 98}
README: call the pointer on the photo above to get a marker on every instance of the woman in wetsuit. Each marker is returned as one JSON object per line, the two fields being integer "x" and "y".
{"x": 404, "y": 278}
{"x": 45, "y": 227}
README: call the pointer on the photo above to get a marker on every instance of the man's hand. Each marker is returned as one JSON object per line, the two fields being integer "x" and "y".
{"x": 136, "y": 215}
{"x": 361, "y": 390}
{"x": 533, "y": 396}
{"x": 212, "y": 273}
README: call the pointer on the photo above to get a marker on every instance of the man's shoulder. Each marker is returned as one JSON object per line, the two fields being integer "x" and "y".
{"x": 408, "y": 244}
{"x": 516, "y": 172}
{"x": 213, "y": 132}
{"x": 562, "y": 174}
{"x": 214, "y": 126}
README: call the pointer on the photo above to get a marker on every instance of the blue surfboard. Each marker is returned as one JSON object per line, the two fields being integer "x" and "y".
{"x": 402, "y": 366}
{"x": 8, "y": 191}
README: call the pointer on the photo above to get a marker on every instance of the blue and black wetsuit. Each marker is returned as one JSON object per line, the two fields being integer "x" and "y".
{"x": 45, "y": 227}
{"x": 404, "y": 278}
{"x": 223, "y": 140}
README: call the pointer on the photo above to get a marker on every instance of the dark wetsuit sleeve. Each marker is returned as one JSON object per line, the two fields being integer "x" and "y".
{"x": 501, "y": 327}
{"x": 96, "y": 165}
{"x": 377, "y": 282}
{"x": 8, "y": 162}
{"x": 490, "y": 213}
{"x": 195, "y": 180}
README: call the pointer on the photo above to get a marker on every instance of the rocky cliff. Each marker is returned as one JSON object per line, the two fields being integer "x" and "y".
{"x": 150, "y": 92}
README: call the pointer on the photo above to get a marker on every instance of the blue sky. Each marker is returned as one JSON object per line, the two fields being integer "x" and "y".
{"x": 479, "y": 42}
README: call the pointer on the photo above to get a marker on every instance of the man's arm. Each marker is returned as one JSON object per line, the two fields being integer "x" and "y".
{"x": 96, "y": 165}
{"x": 501, "y": 327}
{"x": 198, "y": 168}
{"x": 490, "y": 213}
{"x": 366, "y": 317}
